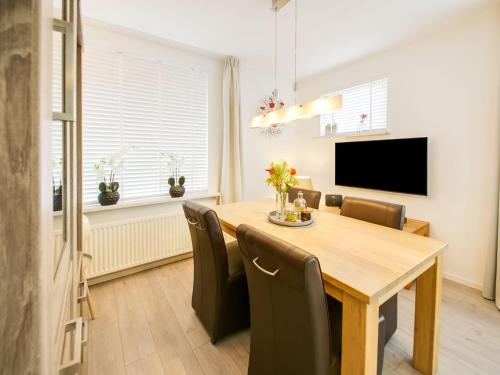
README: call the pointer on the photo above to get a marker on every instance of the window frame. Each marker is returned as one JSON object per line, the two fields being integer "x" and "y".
{"x": 163, "y": 189}
{"x": 380, "y": 131}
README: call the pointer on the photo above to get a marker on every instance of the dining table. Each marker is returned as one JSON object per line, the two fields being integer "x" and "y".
{"x": 363, "y": 265}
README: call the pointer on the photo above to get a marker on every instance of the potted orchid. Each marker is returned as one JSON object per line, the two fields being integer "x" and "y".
{"x": 281, "y": 177}
{"x": 176, "y": 182}
{"x": 106, "y": 171}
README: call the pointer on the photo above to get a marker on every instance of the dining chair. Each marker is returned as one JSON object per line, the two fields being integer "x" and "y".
{"x": 312, "y": 197}
{"x": 386, "y": 214}
{"x": 220, "y": 292}
{"x": 292, "y": 330}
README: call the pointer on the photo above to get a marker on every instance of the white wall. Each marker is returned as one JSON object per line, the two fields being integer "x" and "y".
{"x": 259, "y": 150}
{"x": 445, "y": 87}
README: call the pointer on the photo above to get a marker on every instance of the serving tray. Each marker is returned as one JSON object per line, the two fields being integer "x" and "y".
{"x": 275, "y": 219}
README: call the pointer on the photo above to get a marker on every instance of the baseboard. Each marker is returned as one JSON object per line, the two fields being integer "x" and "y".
{"x": 143, "y": 267}
{"x": 463, "y": 281}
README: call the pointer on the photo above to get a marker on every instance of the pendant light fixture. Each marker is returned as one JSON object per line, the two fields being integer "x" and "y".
{"x": 323, "y": 105}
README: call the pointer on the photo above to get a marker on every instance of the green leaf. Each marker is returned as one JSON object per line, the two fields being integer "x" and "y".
{"x": 114, "y": 186}
{"x": 182, "y": 180}
{"x": 171, "y": 181}
{"x": 102, "y": 187}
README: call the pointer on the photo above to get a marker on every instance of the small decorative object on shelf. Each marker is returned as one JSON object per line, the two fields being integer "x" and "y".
{"x": 362, "y": 125}
{"x": 331, "y": 130}
{"x": 300, "y": 203}
{"x": 281, "y": 177}
{"x": 174, "y": 163}
{"x": 109, "y": 167}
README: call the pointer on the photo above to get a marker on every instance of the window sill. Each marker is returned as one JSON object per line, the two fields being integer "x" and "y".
{"x": 355, "y": 134}
{"x": 145, "y": 202}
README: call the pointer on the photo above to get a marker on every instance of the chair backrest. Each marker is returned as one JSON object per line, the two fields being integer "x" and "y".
{"x": 312, "y": 197}
{"x": 382, "y": 213}
{"x": 209, "y": 256}
{"x": 290, "y": 331}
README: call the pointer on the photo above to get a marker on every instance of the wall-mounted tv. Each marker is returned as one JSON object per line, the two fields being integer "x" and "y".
{"x": 396, "y": 165}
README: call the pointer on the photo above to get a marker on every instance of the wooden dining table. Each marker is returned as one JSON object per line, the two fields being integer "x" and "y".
{"x": 363, "y": 265}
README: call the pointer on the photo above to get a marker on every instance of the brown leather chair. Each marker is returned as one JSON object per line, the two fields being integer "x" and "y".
{"x": 312, "y": 197}
{"x": 292, "y": 330}
{"x": 376, "y": 212}
{"x": 386, "y": 214}
{"x": 220, "y": 292}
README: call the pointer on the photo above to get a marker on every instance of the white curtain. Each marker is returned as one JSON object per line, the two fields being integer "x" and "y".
{"x": 230, "y": 181}
{"x": 491, "y": 288}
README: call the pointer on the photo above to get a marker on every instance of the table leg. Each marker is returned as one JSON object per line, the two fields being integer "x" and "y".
{"x": 359, "y": 337}
{"x": 427, "y": 309}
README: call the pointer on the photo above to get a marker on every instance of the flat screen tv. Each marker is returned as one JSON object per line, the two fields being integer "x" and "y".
{"x": 396, "y": 165}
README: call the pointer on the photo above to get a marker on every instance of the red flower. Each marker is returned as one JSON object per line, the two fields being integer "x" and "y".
{"x": 270, "y": 170}
{"x": 293, "y": 171}
{"x": 271, "y": 105}
{"x": 282, "y": 104}
{"x": 262, "y": 108}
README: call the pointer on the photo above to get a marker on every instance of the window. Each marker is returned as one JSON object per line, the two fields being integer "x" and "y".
{"x": 369, "y": 99}
{"x": 155, "y": 107}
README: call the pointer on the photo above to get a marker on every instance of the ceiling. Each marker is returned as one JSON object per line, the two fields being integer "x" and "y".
{"x": 330, "y": 32}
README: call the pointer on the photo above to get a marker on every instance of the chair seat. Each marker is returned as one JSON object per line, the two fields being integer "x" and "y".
{"x": 234, "y": 260}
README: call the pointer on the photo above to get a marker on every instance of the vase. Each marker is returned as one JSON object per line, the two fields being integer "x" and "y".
{"x": 281, "y": 200}
{"x": 177, "y": 191}
{"x": 108, "y": 198}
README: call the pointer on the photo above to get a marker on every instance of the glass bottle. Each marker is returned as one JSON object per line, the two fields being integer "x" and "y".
{"x": 300, "y": 204}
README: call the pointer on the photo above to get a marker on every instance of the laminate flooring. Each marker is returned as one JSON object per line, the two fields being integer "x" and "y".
{"x": 145, "y": 326}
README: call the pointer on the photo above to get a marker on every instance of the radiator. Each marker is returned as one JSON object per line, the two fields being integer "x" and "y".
{"x": 120, "y": 245}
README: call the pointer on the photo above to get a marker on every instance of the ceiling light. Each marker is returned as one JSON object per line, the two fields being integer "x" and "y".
{"x": 321, "y": 106}
{"x": 283, "y": 115}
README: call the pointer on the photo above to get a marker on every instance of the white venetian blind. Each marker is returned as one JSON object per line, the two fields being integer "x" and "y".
{"x": 57, "y": 106}
{"x": 368, "y": 98}
{"x": 154, "y": 106}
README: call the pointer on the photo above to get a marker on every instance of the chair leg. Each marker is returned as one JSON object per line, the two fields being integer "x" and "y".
{"x": 89, "y": 304}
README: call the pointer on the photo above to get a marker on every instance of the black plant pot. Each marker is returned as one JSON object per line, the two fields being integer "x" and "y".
{"x": 108, "y": 198}
{"x": 177, "y": 191}
{"x": 57, "y": 202}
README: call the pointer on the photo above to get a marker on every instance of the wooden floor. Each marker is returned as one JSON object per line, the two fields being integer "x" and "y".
{"x": 145, "y": 326}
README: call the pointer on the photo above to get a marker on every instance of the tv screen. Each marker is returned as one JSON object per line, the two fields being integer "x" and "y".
{"x": 397, "y": 165}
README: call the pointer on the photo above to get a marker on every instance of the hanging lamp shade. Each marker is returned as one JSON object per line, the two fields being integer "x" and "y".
{"x": 320, "y": 106}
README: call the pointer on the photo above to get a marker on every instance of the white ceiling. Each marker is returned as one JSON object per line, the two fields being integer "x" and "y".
{"x": 331, "y": 32}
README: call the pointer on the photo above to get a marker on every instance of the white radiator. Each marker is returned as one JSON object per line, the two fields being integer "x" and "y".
{"x": 120, "y": 245}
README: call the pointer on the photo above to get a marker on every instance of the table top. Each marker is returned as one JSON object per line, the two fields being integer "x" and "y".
{"x": 365, "y": 260}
